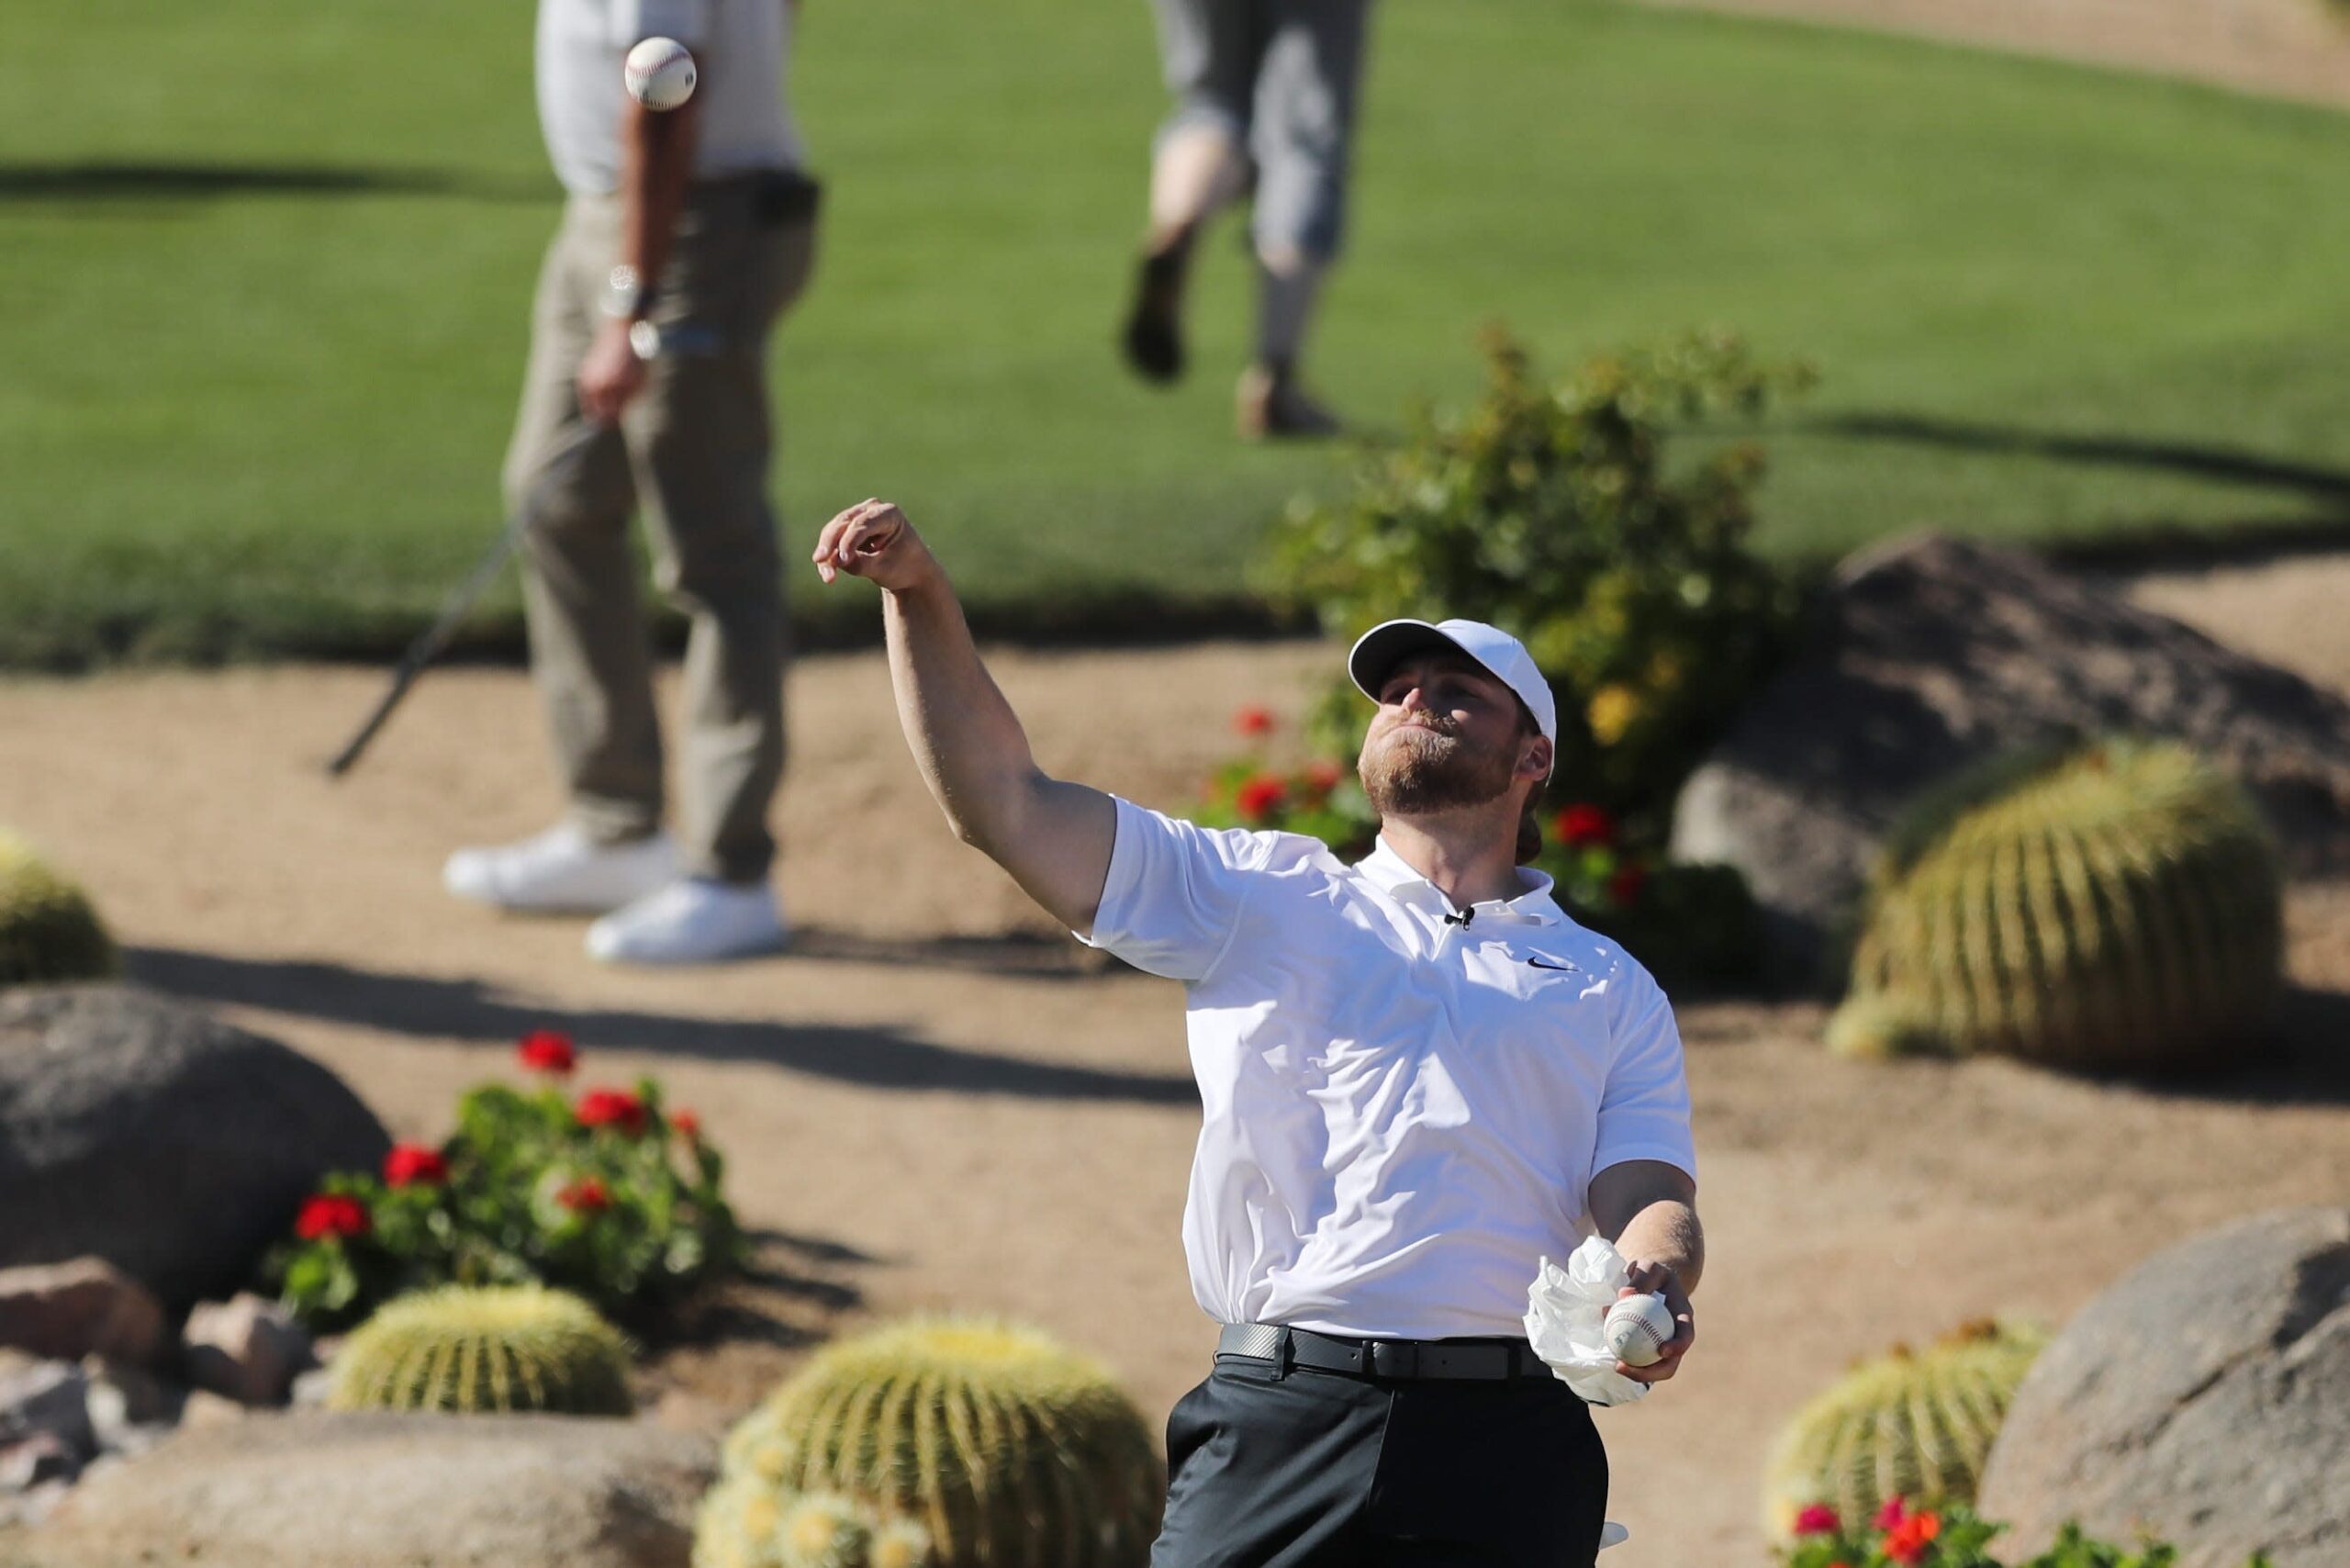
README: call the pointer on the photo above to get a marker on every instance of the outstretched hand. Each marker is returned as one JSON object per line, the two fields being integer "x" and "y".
{"x": 873, "y": 540}
{"x": 1654, "y": 1279}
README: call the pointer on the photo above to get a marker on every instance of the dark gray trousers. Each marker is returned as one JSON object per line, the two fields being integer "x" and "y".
{"x": 1324, "y": 1469}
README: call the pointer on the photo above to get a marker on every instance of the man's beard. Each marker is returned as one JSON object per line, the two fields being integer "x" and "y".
{"x": 1419, "y": 769}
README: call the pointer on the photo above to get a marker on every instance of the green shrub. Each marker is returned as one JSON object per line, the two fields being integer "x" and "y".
{"x": 480, "y": 1349}
{"x": 1551, "y": 512}
{"x": 1911, "y": 1425}
{"x": 48, "y": 933}
{"x": 1955, "y": 1537}
{"x": 965, "y": 1443}
{"x": 607, "y": 1196}
{"x": 2113, "y": 906}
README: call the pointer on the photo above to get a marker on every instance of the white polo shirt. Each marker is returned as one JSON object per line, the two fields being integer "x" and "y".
{"x": 739, "y": 47}
{"x": 1401, "y": 1115}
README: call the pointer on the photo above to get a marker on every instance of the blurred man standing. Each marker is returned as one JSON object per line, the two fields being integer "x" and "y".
{"x": 686, "y": 236}
{"x": 1265, "y": 94}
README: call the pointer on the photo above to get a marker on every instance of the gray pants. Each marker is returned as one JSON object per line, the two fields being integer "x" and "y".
{"x": 1279, "y": 78}
{"x": 693, "y": 447}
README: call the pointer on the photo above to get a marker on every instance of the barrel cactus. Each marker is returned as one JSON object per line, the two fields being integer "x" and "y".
{"x": 2118, "y": 907}
{"x": 938, "y": 1443}
{"x": 47, "y": 930}
{"x": 483, "y": 1349}
{"x": 1912, "y": 1425}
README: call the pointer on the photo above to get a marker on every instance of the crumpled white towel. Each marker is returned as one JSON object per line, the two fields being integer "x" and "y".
{"x": 1565, "y": 1311}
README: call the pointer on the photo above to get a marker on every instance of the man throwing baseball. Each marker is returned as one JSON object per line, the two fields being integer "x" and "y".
{"x": 1417, "y": 1078}
{"x": 687, "y": 234}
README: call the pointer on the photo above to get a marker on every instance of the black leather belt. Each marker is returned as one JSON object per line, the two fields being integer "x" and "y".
{"x": 1478, "y": 1360}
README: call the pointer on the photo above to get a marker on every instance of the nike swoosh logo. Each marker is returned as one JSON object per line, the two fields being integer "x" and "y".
{"x": 1563, "y": 968}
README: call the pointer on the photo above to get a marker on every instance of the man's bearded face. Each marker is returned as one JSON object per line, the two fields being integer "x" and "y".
{"x": 1445, "y": 738}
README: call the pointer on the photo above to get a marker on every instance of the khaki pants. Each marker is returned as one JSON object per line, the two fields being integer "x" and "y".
{"x": 694, "y": 447}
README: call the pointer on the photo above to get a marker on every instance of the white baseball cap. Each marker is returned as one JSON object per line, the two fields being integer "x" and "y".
{"x": 1502, "y": 656}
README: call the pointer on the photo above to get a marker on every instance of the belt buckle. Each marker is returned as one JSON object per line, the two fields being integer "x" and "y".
{"x": 1393, "y": 1358}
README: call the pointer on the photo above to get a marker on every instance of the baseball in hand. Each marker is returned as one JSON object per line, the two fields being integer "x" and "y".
{"x": 1637, "y": 1330}
{"x": 659, "y": 73}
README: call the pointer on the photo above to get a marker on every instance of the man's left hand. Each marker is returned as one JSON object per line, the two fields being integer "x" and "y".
{"x": 610, "y": 375}
{"x": 1655, "y": 1279}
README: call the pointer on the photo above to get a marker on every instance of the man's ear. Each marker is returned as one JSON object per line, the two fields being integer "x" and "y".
{"x": 1534, "y": 762}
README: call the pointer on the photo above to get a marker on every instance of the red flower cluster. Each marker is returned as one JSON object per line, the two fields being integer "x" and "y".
{"x": 326, "y": 1214}
{"x": 1582, "y": 824}
{"x": 587, "y": 1195}
{"x": 1323, "y": 776}
{"x": 685, "y": 1125}
{"x": 1906, "y": 1535}
{"x": 1818, "y": 1518}
{"x": 1624, "y": 886}
{"x": 612, "y": 1108}
{"x": 410, "y": 1164}
{"x": 1254, "y": 721}
{"x": 1260, "y": 797}
{"x": 547, "y": 1050}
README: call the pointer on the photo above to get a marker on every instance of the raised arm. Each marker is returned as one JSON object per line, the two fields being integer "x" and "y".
{"x": 1054, "y": 837}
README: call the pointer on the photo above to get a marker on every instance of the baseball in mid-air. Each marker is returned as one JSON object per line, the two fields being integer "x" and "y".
{"x": 1637, "y": 1330}
{"x": 659, "y": 73}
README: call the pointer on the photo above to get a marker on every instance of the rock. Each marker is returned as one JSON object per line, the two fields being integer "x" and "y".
{"x": 127, "y": 1404}
{"x": 33, "y": 1506}
{"x": 204, "y": 1408}
{"x": 389, "y": 1489}
{"x": 2204, "y": 1397}
{"x": 175, "y": 1146}
{"x": 44, "y": 1456}
{"x": 1931, "y": 654}
{"x": 312, "y": 1389}
{"x": 247, "y": 1349}
{"x": 83, "y": 1307}
{"x": 46, "y": 1397}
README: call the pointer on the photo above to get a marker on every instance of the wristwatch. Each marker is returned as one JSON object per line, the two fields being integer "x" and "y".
{"x": 645, "y": 339}
{"x": 627, "y": 295}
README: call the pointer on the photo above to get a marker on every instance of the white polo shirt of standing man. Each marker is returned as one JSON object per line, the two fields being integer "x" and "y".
{"x": 1416, "y": 1076}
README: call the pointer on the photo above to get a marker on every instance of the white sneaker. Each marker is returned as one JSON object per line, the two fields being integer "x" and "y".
{"x": 692, "y": 921}
{"x": 561, "y": 872}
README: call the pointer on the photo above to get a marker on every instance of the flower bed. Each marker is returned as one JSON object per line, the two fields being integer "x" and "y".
{"x": 609, "y": 1196}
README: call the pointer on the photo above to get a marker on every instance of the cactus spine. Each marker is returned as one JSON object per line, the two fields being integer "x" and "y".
{"x": 1913, "y": 1426}
{"x": 2122, "y": 909}
{"x": 47, "y": 930}
{"x": 968, "y": 1444}
{"x": 470, "y": 1348}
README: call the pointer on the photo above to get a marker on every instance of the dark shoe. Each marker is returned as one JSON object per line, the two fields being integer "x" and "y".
{"x": 1154, "y": 335}
{"x": 1267, "y": 406}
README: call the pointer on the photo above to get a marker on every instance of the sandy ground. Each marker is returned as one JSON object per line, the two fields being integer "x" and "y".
{"x": 2292, "y": 49}
{"x": 936, "y": 1103}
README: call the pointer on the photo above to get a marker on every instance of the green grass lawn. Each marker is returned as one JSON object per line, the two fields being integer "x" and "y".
{"x": 272, "y": 263}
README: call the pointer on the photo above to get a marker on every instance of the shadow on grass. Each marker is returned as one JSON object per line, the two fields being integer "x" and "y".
{"x": 99, "y": 181}
{"x": 2325, "y": 489}
{"x": 469, "y": 1010}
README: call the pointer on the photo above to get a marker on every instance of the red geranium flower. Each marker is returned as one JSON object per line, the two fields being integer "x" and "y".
{"x": 547, "y": 1050}
{"x": 1625, "y": 884}
{"x": 1892, "y": 1513}
{"x": 1321, "y": 777}
{"x": 586, "y": 1196}
{"x": 1818, "y": 1518}
{"x": 1908, "y": 1541}
{"x": 1259, "y": 797}
{"x": 409, "y": 1164}
{"x": 612, "y": 1108}
{"x": 327, "y": 1214}
{"x": 1254, "y": 721}
{"x": 686, "y": 1124}
{"x": 1581, "y": 824}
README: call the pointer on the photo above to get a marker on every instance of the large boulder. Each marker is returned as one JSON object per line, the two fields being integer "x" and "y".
{"x": 392, "y": 1489}
{"x": 2204, "y": 1398}
{"x": 1931, "y": 654}
{"x": 171, "y": 1145}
